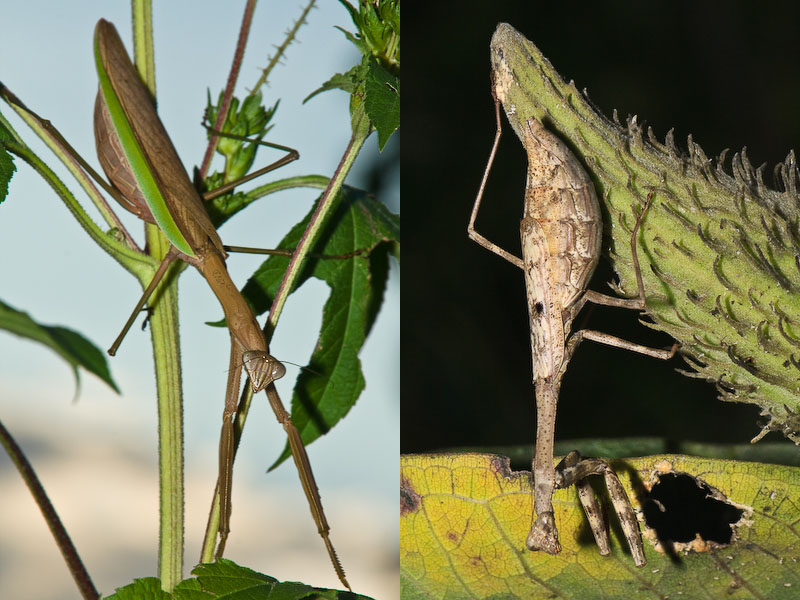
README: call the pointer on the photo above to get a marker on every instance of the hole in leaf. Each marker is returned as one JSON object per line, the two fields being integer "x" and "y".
{"x": 680, "y": 507}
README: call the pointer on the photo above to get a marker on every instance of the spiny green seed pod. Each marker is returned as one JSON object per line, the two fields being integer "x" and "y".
{"x": 719, "y": 251}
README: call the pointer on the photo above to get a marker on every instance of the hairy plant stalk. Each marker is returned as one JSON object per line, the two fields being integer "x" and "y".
{"x": 166, "y": 357}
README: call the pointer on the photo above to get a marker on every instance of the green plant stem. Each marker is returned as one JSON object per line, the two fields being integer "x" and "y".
{"x": 166, "y": 356}
{"x": 132, "y": 260}
{"x": 361, "y": 130}
{"x": 143, "y": 42}
{"x": 65, "y": 545}
{"x": 288, "y": 183}
{"x": 66, "y": 155}
{"x": 210, "y": 537}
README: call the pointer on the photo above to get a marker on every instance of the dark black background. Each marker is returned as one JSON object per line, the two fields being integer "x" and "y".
{"x": 727, "y": 73}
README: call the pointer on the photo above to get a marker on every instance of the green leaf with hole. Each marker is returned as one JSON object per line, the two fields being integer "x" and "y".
{"x": 464, "y": 519}
{"x": 69, "y": 344}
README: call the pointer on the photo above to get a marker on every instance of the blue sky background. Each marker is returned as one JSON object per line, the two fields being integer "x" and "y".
{"x": 97, "y": 456}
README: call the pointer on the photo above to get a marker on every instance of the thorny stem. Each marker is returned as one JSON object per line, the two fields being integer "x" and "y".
{"x": 281, "y": 50}
{"x": 68, "y": 551}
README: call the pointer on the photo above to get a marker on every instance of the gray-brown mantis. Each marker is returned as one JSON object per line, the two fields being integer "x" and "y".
{"x": 561, "y": 236}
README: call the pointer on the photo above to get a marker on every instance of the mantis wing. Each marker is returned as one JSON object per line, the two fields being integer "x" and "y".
{"x": 159, "y": 173}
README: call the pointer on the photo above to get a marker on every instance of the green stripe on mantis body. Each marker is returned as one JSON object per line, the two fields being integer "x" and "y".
{"x": 137, "y": 160}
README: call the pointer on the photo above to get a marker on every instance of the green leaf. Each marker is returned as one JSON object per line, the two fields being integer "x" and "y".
{"x": 326, "y": 391}
{"x": 350, "y": 37}
{"x": 376, "y": 80}
{"x": 341, "y": 81}
{"x": 148, "y": 588}
{"x": 226, "y": 579}
{"x": 190, "y": 589}
{"x": 382, "y": 101}
{"x": 378, "y": 25}
{"x": 70, "y": 345}
{"x": 7, "y": 167}
{"x": 464, "y": 518}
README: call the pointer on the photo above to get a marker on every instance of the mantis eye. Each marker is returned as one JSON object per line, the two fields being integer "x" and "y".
{"x": 278, "y": 370}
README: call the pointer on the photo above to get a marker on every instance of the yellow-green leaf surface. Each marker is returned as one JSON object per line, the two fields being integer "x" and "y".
{"x": 464, "y": 519}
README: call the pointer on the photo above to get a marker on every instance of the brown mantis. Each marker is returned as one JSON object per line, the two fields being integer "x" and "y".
{"x": 561, "y": 237}
{"x": 125, "y": 117}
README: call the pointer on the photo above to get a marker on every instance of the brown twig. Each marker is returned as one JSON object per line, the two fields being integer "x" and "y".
{"x": 236, "y": 65}
{"x": 63, "y": 541}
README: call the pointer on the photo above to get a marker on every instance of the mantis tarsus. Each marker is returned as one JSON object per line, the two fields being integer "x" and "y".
{"x": 148, "y": 178}
{"x": 561, "y": 235}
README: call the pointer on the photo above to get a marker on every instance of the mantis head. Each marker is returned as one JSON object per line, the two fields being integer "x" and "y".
{"x": 263, "y": 368}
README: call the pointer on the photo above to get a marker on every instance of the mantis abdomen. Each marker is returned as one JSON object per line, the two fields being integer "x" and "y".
{"x": 560, "y": 196}
{"x": 561, "y": 233}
